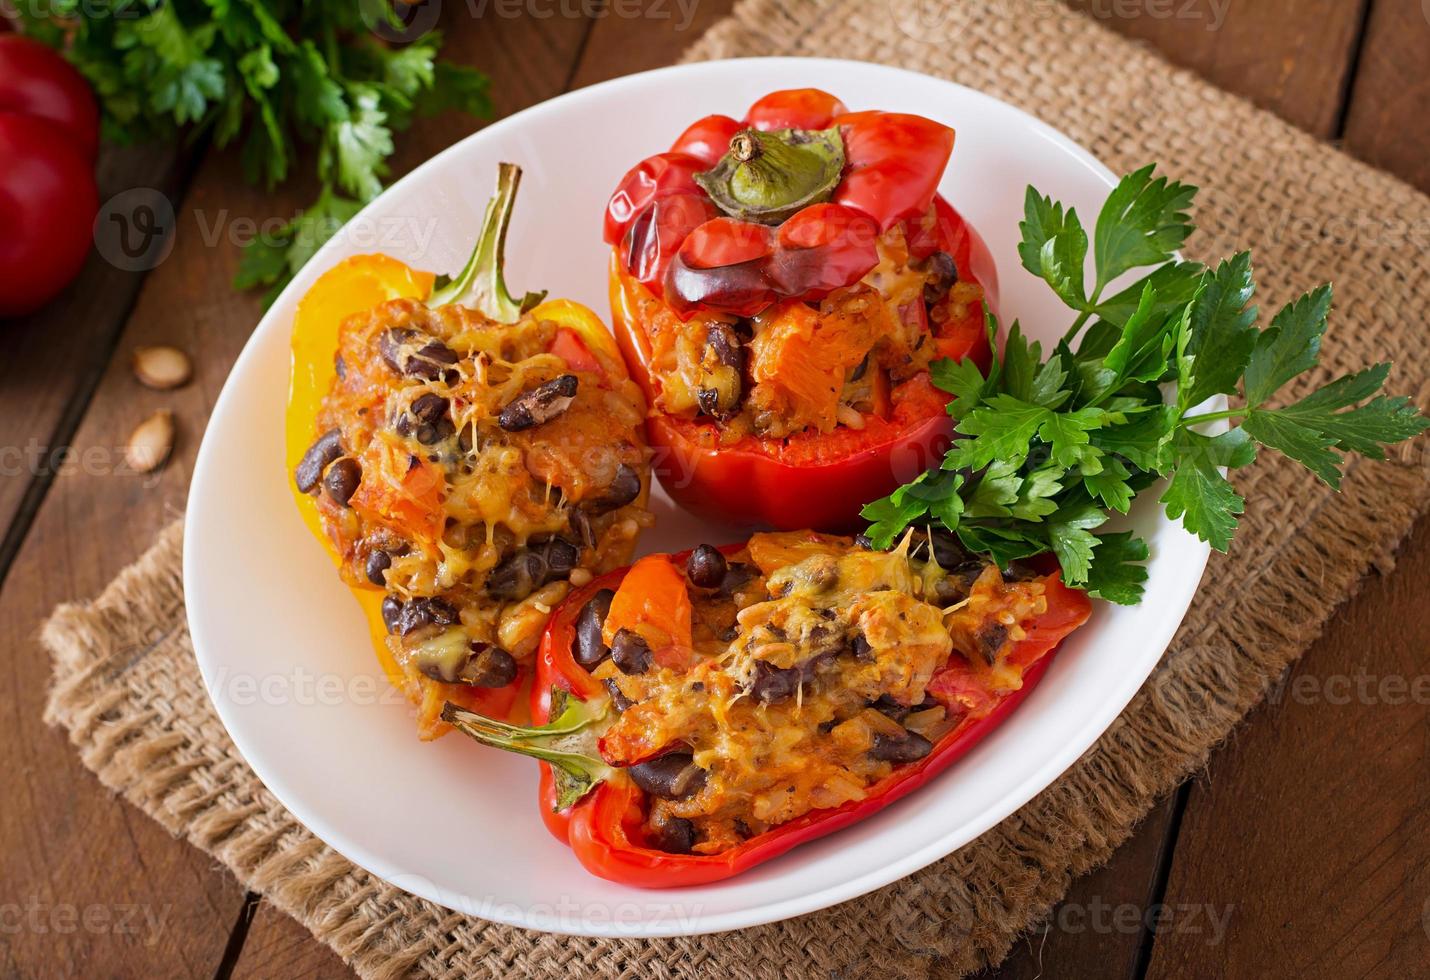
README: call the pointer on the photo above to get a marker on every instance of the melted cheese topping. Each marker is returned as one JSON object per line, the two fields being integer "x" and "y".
{"x": 855, "y": 637}
{"x": 447, "y": 501}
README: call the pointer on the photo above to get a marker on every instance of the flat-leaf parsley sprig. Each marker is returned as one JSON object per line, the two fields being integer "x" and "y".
{"x": 1051, "y": 447}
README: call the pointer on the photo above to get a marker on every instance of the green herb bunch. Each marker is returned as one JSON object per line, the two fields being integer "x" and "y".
{"x": 268, "y": 74}
{"x": 1051, "y": 447}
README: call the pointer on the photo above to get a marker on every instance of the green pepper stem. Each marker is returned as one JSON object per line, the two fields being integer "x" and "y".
{"x": 770, "y": 176}
{"x": 569, "y": 742}
{"x": 481, "y": 283}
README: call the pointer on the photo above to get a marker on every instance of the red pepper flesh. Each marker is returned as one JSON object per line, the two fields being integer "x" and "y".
{"x": 604, "y": 828}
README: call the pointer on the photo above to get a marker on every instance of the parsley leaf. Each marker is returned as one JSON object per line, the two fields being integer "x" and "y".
{"x": 269, "y": 75}
{"x": 1222, "y": 323}
{"x": 1290, "y": 346}
{"x": 1054, "y": 247}
{"x": 1143, "y": 222}
{"x": 1117, "y": 573}
{"x": 1051, "y": 447}
{"x": 1198, "y": 493}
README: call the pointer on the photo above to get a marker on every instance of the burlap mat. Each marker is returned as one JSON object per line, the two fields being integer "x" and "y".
{"x": 130, "y": 695}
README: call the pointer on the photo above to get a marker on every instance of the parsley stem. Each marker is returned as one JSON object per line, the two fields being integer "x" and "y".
{"x": 1230, "y": 413}
{"x": 1075, "y": 328}
{"x": 1082, "y": 317}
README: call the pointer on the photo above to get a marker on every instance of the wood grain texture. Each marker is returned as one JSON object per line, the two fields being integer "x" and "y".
{"x": 1311, "y": 829}
{"x": 1390, "y": 98}
{"x": 1091, "y": 933}
{"x": 53, "y": 357}
{"x": 647, "y": 34}
{"x": 277, "y": 946}
{"x": 1290, "y": 56}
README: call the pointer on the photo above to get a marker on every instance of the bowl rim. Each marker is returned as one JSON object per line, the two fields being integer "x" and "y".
{"x": 1034, "y": 780}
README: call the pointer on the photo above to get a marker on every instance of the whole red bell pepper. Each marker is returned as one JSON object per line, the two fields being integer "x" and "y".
{"x": 809, "y": 479}
{"x": 600, "y": 813}
{"x": 686, "y": 243}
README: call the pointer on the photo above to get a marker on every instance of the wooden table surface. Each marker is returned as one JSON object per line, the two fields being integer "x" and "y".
{"x": 1301, "y": 851}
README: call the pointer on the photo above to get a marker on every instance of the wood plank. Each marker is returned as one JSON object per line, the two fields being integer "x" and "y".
{"x": 635, "y": 37}
{"x": 1290, "y": 56}
{"x": 54, "y": 357}
{"x": 277, "y": 946}
{"x": 1098, "y": 928}
{"x": 1311, "y": 830}
{"x": 1389, "y": 100}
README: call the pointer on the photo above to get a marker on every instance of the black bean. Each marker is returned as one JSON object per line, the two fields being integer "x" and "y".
{"x": 723, "y": 366}
{"x": 431, "y": 433}
{"x": 389, "y": 347}
{"x": 518, "y": 576}
{"x": 863, "y": 541}
{"x": 489, "y": 666}
{"x": 340, "y": 366}
{"x": 431, "y": 359}
{"x": 991, "y": 639}
{"x": 942, "y": 273}
{"x": 1017, "y": 571}
{"x": 425, "y": 611}
{"x": 706, "y": 567}
{"x": 774, "y": 684}
{"x": 725, "y": 345}
{"x": 581, "y": 527}
{"x": 539, "y": 405}
{"x": 342, "y": 479}
{"x": 623, "y": 488}
{"x": 618, "y": 700}
{"x": 561, "y": 557}
{"x": 859, "y": 646}
{"x": 309, "y": 471}
{"x": 391, "y": 612}
{"x": 428, "y": 408}
{"x": 630, "y": 652}
{"x": 671, "y": 777}
{"x": 675, "y": 835}
{"x": 908, "y": 747}
{"x": 377, "y": 563}
{"x": 591, "y": 647}
{"x": 886, "y": 705}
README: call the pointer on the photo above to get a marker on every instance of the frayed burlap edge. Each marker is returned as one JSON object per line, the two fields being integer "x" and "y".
{"x": 128, "y": 692}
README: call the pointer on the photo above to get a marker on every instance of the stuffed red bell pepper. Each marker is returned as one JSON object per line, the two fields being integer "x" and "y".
{"x": 467, "y": 456}
{"x": 780, "y": 285}
{"x": 706, "y": 712}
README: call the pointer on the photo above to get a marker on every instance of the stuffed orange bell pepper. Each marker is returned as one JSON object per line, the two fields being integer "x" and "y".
{"x": 708, "y": 711}
{"x": 467, "y": 456}
{"x": 779, "y": 286}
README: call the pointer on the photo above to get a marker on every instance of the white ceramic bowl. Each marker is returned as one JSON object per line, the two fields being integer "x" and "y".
{"x": 284, "y": 650}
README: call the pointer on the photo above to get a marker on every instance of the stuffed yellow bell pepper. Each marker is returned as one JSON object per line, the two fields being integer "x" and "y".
{"x": 467, "y": 457}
